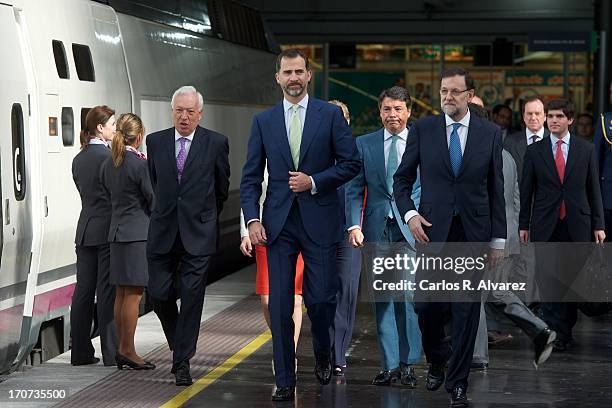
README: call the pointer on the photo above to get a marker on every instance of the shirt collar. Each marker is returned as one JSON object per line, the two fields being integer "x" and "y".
{"x": 465, "y": 121}
{"x": 98, "y": 141}
{"x": 177, "y": 135}
{"x": 403, "y": 134}
{"x": 565, "y": 138}
{"x": 303, "y": 103}
{"x": 539, "y": 133}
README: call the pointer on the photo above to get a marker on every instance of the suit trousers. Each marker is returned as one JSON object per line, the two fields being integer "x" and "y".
{"x": 463, "y": 317}
{"x": 555, "y": 267}
{"x": 93, "y": 264}
{"x": 319, "y": 291}
{"x": 182, "y": 327}
{"x": 349, "y": 270}
{"x": 397, "y": 325}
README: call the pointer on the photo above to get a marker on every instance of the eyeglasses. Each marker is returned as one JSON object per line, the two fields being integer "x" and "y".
{"x": 454, "y": 92}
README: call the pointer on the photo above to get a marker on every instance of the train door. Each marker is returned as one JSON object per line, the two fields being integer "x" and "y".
{"x": 14, "y": 179}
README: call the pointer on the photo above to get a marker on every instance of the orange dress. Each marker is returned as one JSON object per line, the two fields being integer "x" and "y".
{"x": 262, "y": 286}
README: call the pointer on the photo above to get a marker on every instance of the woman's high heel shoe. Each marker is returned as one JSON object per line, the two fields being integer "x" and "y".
{"x": 122, "y": 360}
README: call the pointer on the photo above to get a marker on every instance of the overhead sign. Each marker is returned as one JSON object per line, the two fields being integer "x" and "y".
{"x": 565, "y": 41}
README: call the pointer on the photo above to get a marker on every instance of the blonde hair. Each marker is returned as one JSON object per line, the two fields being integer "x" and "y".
{"x": 344, "y": 108}
{"x": 129, "y": 131}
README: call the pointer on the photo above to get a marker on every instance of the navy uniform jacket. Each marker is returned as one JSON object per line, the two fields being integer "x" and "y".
{"x": 603, "y": 150}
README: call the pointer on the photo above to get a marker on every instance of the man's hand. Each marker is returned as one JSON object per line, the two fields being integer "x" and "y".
{"x": 245, "y": 247}
{"x": 416, "y": 228}
{"x": 600, "y": 236}
{"x": 299, "y": 182}
{"x": 356, "y": 238}
{"x": 257, "y": 233}
{"x": 524, "y": 236}
{"x": 495, "y": 257}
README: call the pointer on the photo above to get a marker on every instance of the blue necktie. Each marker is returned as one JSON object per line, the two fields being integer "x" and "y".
{"x": 392, "y": 165}
{"x": 454, "y": 149}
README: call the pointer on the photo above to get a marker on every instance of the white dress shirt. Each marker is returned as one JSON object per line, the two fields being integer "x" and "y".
{"x": 497, "y": 243}
{"x": 539, "y": 134}
{"x": 400, "y": 146}
{"x": 177, "y": 143}
{"x": 564, "y": 145}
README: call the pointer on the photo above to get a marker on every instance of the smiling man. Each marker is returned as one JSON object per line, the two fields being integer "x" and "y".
{"x": 310, "y": 152}
{"x": 462, "y": 200}
{"x": 399, "y": 336}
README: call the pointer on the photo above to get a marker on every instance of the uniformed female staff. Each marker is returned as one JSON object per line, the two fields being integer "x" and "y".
{"x": 126, "y": 177}
{"x": 92, "y": 249}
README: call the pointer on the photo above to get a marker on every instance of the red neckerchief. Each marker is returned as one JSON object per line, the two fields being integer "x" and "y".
{"x": 102, "y": 140}
{"x": 138, "y": 153}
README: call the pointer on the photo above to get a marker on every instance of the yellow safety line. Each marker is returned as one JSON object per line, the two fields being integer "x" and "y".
{"x": 191, "y": 391}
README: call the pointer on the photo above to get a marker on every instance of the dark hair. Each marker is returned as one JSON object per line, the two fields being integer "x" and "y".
{"x": 98, "y": 115}
{"x": 291, "y": 53}
{"x": 562, "y": 105}
{"x": 585, "y": 115}
{"x": 397, "y": 93}
{"x": 454, "y": 71}
{"x": 478, "y": 110}
{"x": 533, "y": 98}
{"x": 129, "y": 129}
{"x": 498, "y": 108}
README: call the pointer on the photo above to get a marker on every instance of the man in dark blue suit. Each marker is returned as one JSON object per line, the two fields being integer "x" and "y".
{"x": 603, "y": 150}
{"x": 462, "y": 200}
{"x": 310, "y": 152}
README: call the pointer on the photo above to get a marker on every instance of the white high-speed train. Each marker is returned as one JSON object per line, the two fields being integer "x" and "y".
{"x": 62, "y": 57}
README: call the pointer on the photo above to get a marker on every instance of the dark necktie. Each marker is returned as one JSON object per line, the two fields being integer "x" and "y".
{"x": 560, "y": 163}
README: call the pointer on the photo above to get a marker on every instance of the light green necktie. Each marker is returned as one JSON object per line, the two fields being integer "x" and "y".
{"x": 295, "y": 134}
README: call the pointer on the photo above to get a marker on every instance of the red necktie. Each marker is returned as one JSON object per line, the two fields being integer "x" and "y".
{"x": 560, "y": 163}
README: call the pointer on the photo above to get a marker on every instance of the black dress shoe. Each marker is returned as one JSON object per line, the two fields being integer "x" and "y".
{"x": 93, "y": 360}
{"x": 182, "y": 376}
{"x": 543, "y": 344}
{"x": 339, "y": 370}
{"x": 435, "y": 377}
{"x": 459, "y": 397}
{"x": 386, "y": 377}
{"x": 408, "y": 377}
{"x": 559, "y": 346}
{"x": 283, "y": 394}
{"x": 323, "y": 369}
{"x": 479, "y": 366}
{"x": 122, "y": 361}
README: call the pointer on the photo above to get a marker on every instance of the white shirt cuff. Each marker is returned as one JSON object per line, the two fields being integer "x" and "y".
{"x": 410, "y": 214}
{"x": 313, "y": 189}
{"x": 497, "y": 243}
{"x": 353, "y": 227}
{"x": 253, "y": 220}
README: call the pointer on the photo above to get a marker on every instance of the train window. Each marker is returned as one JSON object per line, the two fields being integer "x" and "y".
{"x": 238, "y": 23}
{"x": 61, "y": 63}
{"x": 67, "y": 126}
{"x": 19, "y": 173}
{"x": 83, "y": 62}
{"x": 84, "y": 112}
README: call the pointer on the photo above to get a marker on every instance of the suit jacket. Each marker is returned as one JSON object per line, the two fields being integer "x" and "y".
{"x": 373, "y": 176}
{"x": 580, "y": 191}
{"x": 131, "y": 195}
{"x": 192, "y": 207}
{"x": 94, "y": 220}
{"x": 477, "y": 192}
{"x": 603, "y": 150}
{"x": 516, "y": 145}
{"x": 327, "y": 153}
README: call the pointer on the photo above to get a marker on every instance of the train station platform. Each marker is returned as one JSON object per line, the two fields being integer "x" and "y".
{"x": 232, "y": 368}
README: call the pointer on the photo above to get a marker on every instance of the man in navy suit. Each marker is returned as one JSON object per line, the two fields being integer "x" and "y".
{"x": 189, "y": 167}
{"x": 310, "y": 152}
{"x": 462, "y": 200}
{"x": 399, "y": 336}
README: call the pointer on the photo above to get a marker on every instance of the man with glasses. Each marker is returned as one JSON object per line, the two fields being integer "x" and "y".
{"x": 462, "y": 200}
{"x": 189, "y": 167}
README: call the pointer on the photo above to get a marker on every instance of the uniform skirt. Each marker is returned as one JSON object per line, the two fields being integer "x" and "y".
{"x": 262, "y": 285}
{"x": 128, "y": 263}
